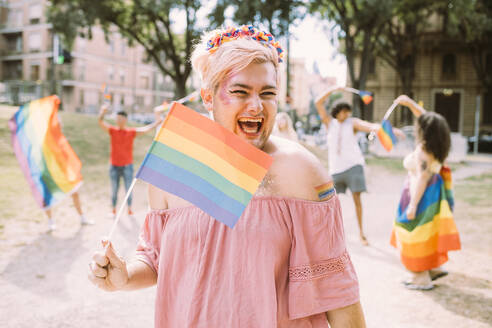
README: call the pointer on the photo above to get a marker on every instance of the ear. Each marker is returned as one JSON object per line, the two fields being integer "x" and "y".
{"x": 207, "y": 98}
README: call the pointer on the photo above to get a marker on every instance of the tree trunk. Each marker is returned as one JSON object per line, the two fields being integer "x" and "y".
{"x": 179, "y": 88}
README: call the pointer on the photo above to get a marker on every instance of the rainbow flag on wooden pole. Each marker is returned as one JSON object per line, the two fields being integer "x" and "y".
{"x": 202, "y": 162}
{"x": 47, "y": 160}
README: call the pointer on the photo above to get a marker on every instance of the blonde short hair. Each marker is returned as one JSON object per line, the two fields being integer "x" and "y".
{"x": 229, "y": 58}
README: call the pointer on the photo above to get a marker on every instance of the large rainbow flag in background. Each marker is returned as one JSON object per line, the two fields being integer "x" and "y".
{"x": 424, "y": 242}
{"x": 202, "y": 162}
{"x": 49, "y": 164}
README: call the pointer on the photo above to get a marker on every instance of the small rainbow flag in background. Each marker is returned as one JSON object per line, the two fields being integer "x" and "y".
{"x": 49, "y": 164}
{"x": 366, "y": 97}
{"x": 386, "y": 135}
{"x": 202, "y": 162}
{"x": 105, "y": 91}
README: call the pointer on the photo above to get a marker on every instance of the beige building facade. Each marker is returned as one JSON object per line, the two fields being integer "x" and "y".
{"x": 28, "y": 70}
{"x": 445, "y": 82}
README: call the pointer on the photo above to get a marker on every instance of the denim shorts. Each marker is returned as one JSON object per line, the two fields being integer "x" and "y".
{"x": 352, "y": 178}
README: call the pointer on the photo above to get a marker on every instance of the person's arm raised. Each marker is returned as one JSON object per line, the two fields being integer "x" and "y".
{"x": 148, "y": 127}
{"x": 100, "y": 118}
{"x": 405, "y": 100}
{"x": 320, "y": 104}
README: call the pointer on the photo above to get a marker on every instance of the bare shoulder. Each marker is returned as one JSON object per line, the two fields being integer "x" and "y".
{"x": 296, "y": 172}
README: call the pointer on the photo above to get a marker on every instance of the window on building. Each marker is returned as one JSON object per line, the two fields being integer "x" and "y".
{"x": 81, "y": 97}
{"x": 111, "y": 46}
{"x": 35, "y": 71}
{"x": 34, "y": 41}
{"x": 488, "y": 64}
{"x": 14, "y": 17}
{"x": 35, "y": 13}
{"x": 122, "y": 76}
{"x": 140, "y": 100}
{"x": 144, "y": 82}
{"x": 14, "y": 43}
{"x": 123, "y": 48}
{"x": 487, "y": 109}
{"x": 449, "y": 66}
{"x": 12, "y": 70}
{"x": 81, "y": 71}
{"x": 111, "y": 73}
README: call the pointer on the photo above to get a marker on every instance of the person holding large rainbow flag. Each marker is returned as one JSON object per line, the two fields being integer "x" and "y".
{"x": 284, "y": 262}
{"x": 424, "y": 229}
{"x": 50, "y": 165}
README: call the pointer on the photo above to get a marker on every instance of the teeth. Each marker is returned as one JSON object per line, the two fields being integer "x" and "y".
{"x": 253, "y": 120}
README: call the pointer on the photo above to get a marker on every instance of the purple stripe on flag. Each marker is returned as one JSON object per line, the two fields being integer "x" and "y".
{"x": 161, "y": 181}
{"x": 24, "y": 162}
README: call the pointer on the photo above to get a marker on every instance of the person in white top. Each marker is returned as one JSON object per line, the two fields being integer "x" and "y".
{"x": 345, "y": 159}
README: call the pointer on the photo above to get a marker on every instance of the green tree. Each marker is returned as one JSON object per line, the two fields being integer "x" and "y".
{"x": 471, "y": 21}
{"x": 276, "y": 15}
{"x": 145, "y": 22}
{"x": 399, "y": 41}
{"x": 358, "y": 23}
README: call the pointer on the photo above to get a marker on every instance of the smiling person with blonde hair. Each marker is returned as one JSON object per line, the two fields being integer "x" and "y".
{"x": 284, "y": 127}
{"x": 285, "y": 263}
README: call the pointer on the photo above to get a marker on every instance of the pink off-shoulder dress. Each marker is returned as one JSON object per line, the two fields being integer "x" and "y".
{"x": 284, "y": 264}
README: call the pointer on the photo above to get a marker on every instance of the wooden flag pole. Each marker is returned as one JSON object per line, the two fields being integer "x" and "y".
{"x": 118, "y": 215}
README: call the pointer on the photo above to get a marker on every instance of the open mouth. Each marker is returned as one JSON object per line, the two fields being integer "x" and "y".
{"x": 249, "y": 125}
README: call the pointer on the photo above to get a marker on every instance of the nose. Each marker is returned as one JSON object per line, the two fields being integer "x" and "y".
{"x": 255, "y": 106}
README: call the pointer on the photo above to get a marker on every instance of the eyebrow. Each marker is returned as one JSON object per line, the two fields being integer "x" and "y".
{"x": 247, "y": 87}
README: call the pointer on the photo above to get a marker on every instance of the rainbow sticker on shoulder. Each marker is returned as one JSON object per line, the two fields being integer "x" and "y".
{"x": 325, "y": 191}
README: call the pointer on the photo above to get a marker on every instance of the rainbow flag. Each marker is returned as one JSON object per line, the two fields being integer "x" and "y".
{"x": 49, "y": 164}
{"x": 105, "y": 91}
{"x": 204, "y": 163}
{"x": 386, "y": 135}
{"x": 424, "y": 241}
{"x": 366, "y": 97}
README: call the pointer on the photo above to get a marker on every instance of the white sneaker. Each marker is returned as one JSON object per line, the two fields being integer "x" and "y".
{"x": 84, "y": 221}
{"x": 51, "y": 225}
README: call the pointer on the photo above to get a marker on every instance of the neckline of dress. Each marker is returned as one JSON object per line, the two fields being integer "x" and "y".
{"x": 254, "y": 199}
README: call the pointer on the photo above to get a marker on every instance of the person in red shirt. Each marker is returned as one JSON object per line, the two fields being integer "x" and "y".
{"x": 121, "y": 160}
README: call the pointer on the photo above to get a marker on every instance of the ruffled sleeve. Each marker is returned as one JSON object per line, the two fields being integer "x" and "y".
{"x": 321, "y": 274}
{"x": 149, "y": 241}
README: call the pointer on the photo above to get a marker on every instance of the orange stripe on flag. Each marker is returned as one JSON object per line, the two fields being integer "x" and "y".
{"x": 210, "y": 127}
{"x": 216, "y": 146}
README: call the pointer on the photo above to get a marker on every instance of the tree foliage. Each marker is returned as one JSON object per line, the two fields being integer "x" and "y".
{"x": 146, "y": 22}
{"x": 471, "y": 21}
{"x": 275, "y": 15}
{"x": 358, "y": 22}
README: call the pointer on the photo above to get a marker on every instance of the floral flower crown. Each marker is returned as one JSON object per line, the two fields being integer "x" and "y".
{"x": 248, "y": 31}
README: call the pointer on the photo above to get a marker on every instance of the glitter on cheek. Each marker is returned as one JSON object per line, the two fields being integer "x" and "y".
{"x": 224, "y": 96}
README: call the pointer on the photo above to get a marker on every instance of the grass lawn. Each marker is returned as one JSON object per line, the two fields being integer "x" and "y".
{"x": 89, "y": 142}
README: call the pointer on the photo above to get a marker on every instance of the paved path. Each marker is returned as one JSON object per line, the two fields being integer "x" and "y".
{"x": 43, "y": 278}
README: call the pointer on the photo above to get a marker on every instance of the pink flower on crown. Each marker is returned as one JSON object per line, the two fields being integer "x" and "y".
{"x": 244, "y": 31}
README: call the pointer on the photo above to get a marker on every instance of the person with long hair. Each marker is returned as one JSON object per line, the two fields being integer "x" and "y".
{"x": 424, "y": 230}
{"x": 284, "y": 127}
{"x": 285, "y": 262}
